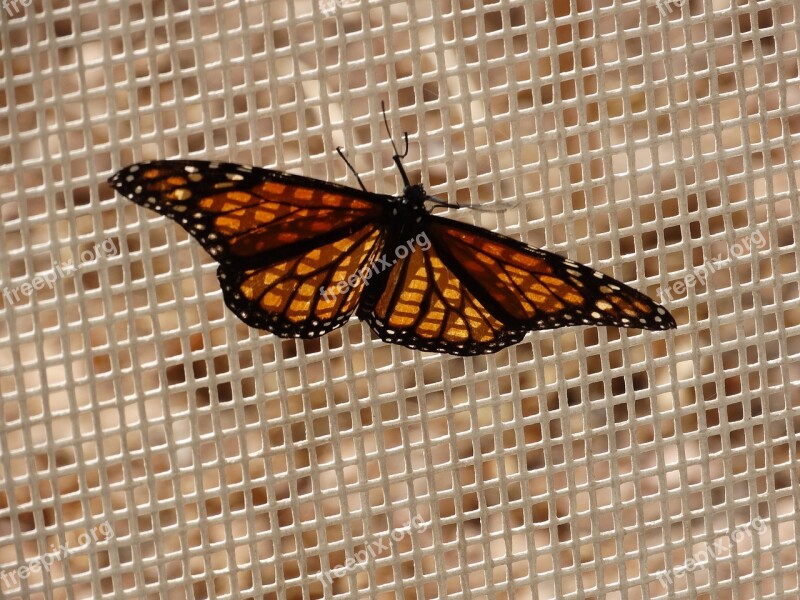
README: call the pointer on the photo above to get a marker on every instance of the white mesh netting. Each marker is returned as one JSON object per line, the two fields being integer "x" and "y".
{"x": 151, "y": 445}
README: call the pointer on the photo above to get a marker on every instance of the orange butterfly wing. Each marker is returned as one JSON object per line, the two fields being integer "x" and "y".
{"x": 306, "y": 295}
{"x": 476, "y": 292}
{"x": 425, "y": 305}
{"x": 247, "y": 215}
{"x": 284, "y": 242}
{"x": 539, "y": 289}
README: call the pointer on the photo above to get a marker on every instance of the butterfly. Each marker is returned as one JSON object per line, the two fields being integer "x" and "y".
{"x": 299, "y": 256}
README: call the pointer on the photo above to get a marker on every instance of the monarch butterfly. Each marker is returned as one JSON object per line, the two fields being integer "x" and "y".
{"x": 299, "y": 256}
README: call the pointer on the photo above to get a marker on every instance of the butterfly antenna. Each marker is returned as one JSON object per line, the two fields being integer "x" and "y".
{"x": 397, "y": 158}
{"x": 486, "y": 209}
{"x": 349, "y": 166}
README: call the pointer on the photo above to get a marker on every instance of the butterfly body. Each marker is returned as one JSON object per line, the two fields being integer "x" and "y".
{"x": 404, "y": 216}
{"x": 402, "y": 219}
{"x": 299, "y": 257}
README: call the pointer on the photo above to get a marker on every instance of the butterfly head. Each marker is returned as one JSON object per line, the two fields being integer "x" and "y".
{"x": 415, "y": 195}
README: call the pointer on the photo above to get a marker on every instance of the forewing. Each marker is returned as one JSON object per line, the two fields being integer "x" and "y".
{"x": 536, "y": 288}
{"x": 243, "y": 215}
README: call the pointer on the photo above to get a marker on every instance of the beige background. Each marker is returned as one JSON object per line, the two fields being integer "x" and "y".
{"x": 176, "y": 452}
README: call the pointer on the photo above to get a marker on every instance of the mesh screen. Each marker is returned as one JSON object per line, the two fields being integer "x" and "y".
{"x": 152, "y": 445}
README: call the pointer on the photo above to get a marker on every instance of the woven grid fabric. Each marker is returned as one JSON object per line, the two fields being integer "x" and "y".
{"x": 151, "y": 445}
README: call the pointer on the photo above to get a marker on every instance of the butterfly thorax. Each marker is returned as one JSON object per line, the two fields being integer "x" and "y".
{"x": 415, "y": 196}
{"x": 407, "y": 212}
